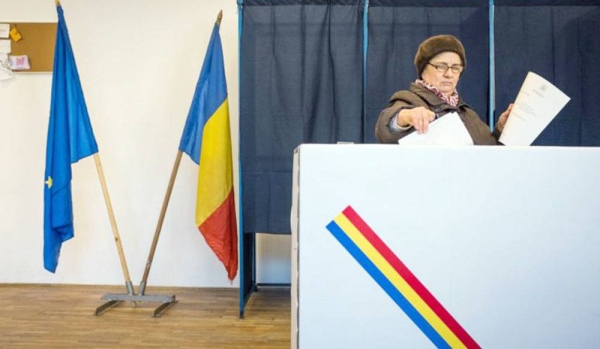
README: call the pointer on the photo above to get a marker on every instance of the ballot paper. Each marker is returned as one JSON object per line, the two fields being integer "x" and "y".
{"x": 537, "y": 103}
{"x": 448, "y": 130}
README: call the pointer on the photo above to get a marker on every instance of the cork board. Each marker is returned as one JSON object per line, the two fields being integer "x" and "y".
{"x": 38, "y": 43}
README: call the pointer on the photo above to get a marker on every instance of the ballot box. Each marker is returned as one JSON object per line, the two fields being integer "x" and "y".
{"x": 448, "y": 247}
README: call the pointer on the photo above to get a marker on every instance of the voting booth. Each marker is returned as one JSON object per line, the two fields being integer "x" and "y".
{"x": 424, "y": 247}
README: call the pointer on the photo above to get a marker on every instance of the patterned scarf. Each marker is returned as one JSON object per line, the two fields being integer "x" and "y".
{"x": 452, "y": 99}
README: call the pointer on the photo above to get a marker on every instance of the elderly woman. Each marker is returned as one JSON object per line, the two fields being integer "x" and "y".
{"x": 440, "y": 61}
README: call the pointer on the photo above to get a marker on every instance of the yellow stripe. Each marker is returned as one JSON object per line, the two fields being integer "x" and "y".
{"x": 396, "y": 279}
{"x": 215, "y": 173}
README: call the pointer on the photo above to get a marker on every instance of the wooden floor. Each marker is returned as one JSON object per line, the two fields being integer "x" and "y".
{"x": 62, "y": 316}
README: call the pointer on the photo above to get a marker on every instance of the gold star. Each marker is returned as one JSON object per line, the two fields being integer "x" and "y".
{"x": 49, "y": 182}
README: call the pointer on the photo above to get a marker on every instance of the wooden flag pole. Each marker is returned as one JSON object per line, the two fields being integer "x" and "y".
{"x": 113, "y": 223}
{"x": 219, "y": 17}
{"x": 161, "y": 219}
{"x": 166, "y": 301}
{"x": 111, "y": 216}
{"x": 114, "y": 299}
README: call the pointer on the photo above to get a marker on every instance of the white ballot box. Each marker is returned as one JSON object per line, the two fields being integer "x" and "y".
{"x": 448, "y": 247}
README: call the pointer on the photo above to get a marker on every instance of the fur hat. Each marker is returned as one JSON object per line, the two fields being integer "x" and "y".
{"x": 435, "y": 45}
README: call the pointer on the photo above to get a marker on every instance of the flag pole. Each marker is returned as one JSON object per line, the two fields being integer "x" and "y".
{"x": 114, "y": 299}
{"x": 161, "y": 219}
{"x": 113, "y": 223}
{"x": 165, "y": 205}
{"x": 111, "y": 216}
{"x": 84, "y": 147}
{"x": 166, "y": 301}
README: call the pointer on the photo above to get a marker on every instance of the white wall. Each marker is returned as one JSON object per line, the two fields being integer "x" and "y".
{"x": 139, "y": 62}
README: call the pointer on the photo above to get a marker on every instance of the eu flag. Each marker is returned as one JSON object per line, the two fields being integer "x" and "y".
{"x": 70, "y": 138}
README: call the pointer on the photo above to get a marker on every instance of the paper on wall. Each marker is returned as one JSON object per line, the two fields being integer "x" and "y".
{"x": 19, "y": 62}
{"x": 5, "y": 71}
{"x": 5, "y": 46}
{"x": 448, "y": 130}
{"x": 4, "y": 28}
{"x": 537, "y": 103}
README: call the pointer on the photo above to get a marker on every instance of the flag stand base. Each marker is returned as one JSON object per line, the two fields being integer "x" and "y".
{"x": 115, "y": 299}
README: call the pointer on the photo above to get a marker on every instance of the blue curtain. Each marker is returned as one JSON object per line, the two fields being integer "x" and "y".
{"x": 302, "y": 75}
{"x": 301, "y": 82}
{"x": 559, "y": 41}
{"x": 396, "y": 28}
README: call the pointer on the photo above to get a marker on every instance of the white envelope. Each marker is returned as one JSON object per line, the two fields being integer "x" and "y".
{"x": 448, "y": 130}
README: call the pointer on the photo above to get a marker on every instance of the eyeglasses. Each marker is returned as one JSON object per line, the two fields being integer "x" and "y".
{"x": 443, "y": 67}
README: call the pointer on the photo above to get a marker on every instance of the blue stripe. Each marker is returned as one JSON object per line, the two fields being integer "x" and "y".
{"x": 210, "y": 94}
{"x": 387, "y": 286}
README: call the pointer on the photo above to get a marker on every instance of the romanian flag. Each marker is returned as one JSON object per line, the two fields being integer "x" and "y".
{"x": 398, "y": 281}
{"x": 70, "y": 138}
{"x": 206, "y": 139}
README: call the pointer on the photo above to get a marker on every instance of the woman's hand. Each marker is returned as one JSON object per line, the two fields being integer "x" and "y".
{"x": 503, "y": 117}
{"x": 418, "y": 117}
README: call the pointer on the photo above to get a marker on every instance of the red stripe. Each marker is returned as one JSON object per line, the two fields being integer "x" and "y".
{"x": 409, "y": 277}
{"x": 220, "y": 232}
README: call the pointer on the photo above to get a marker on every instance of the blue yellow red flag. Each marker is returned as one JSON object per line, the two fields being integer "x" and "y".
{"x": 70, "y": 138}
{"x": 206, "y": 139}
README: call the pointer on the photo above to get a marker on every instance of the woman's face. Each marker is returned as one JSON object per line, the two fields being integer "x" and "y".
{"x": 444, "y": 81}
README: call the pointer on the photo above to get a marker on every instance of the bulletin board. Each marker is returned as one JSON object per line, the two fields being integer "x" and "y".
{"x": 37, "y": 43}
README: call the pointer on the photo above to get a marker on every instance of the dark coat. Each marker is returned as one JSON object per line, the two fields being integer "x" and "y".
{"x": 418, "y": 96}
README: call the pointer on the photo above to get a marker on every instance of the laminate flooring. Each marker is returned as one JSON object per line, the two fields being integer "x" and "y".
{"x": 62, "y": 316}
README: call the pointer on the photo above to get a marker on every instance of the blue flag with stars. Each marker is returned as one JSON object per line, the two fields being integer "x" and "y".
{"x": 70, "y": 138}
